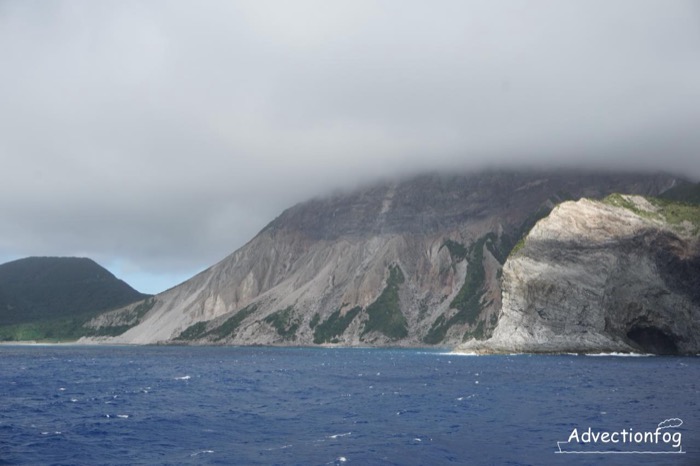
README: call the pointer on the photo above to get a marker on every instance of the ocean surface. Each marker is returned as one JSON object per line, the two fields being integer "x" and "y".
{"x": 232, "y": 405}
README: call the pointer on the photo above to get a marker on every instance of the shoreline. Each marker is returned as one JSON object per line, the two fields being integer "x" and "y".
{"x": 441, "y": 350}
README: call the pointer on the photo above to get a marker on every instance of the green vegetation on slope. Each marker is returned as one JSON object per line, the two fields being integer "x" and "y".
{"x": 518, "y": 246}
{"x": 468, "y": 299}
{"x": 618, "y": 200}
{"x": 437, "y": 331}
{"x": 129, "y": 319}
{"x": 457, "y": 250}
{"x": 193, "y": 332}
{"x": 384, "y": 314}
{"x": 285, "y": 322}
{"x": 71, "y": 328}
{"x": 477, "y": 332}
{"x": 467, "y": 302}
{"x": 230, "y": 326}
{"x": 334, "y": 326}
{"x": 469, "y": 296}
{"x": 198, "y": 330}
{"x": 142, "y": 309}
{"x": 52, "y": 330}
{"x": 499, "y": 247}
{"x": 676, "y": 213}
{"x": 314, "y": 320}
{"x": 42, "y": 289}
{"x": 672, "y": 212}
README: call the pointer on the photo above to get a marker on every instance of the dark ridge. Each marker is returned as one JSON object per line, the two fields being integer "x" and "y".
{"x": 683, "y": 192}
{"x": 40, "y": 288}
{"x": 431, "y": 203}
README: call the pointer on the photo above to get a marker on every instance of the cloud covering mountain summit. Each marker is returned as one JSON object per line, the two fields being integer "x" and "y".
{"x": 156, "y": 137}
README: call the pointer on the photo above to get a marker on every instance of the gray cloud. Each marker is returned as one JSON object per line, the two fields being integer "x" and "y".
{"x": 157, "y": 137}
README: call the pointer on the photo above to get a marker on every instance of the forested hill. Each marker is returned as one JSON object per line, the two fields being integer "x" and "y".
{"x": 40, "y": 288}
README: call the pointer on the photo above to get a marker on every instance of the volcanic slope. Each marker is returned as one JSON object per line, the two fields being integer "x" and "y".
{"x": 414, "y": 262}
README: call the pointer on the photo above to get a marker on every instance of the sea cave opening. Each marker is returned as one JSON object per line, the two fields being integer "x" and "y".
{"x": 653, "y": 340}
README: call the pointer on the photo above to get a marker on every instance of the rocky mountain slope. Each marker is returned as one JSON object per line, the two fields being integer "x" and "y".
{"x": 621, "y": 275}
{"x": 46, "y": 289}
{"x": 416, "y": 262}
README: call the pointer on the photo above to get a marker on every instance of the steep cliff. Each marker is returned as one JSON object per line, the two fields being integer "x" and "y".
{"x": 414, "y": 262}
{"x": 622, "y": 275}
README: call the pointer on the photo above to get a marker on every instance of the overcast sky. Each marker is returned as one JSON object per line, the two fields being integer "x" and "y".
{"x": 156, "y": 137}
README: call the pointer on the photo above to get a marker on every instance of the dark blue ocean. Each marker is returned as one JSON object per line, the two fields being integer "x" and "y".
{"x": 230, "y": 405}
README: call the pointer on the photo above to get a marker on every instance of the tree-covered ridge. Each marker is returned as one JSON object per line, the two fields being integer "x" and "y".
{"x": 37, "y": 289}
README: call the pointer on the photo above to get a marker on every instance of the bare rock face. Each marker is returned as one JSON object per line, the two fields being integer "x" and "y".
{"x": 616, "y": 276}
{"x": 416, "y": 262}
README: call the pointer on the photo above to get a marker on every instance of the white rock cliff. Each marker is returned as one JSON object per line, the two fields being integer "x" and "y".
{"x": 615, "y": 276}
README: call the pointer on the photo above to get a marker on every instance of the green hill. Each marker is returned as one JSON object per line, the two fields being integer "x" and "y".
{"x": 45, "y": 291}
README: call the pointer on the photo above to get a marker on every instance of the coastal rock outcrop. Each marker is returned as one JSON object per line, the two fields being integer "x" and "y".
{"x": 621, "y": 275}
